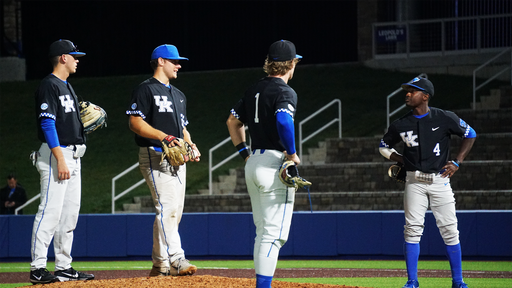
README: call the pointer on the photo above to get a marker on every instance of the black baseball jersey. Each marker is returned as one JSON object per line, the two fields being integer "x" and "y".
{"x": 258, "y": 108}
{"x": 57, "y": 100}
{"x": 427, "y": 139}
{"x": 162, "y": 107}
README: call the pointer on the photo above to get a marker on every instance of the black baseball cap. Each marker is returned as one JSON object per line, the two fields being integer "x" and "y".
{"x": 282, "y": 50}
{"x": 421, "y": 83}
{"x": 63, "y": 46}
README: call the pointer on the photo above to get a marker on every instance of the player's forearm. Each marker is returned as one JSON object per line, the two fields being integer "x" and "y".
{"x": 62, "y": 167}
{"x": 396, "y": 157}
{"x": 142, "y": 128}
{"x": 236, "y": 130}
{"x": 186, "y": 136}
{"x": 467, "y": 144}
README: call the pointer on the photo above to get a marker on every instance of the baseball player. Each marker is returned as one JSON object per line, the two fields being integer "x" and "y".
{"x": 58, "y": 162}
{"x": 425, "y": 132}
{"x": 268, "y": 108}
{"x": 157, "y": 114}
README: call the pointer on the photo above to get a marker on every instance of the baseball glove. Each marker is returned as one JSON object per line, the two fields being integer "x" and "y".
{"x": 397, "y": 172}
{"x": 289, "y": 175}
{"x": 176, "y": 155}
{"x": 93, "y": 116}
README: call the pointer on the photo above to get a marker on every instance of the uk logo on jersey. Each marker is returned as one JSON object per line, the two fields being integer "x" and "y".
{"x": 409, "y": 139}
{"x": 67, "y": 103}
{"x": 163, "y": 104}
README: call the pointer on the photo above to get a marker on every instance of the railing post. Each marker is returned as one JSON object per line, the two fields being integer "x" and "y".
{"x": 210, "y": 172}
{"x": 443, "y": 44}
{"x": 339, "y": 120}
{"x": 474, "y": 89}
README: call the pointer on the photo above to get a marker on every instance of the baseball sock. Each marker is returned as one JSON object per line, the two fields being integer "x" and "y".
{"x": 263, "y": 281}
{"x": 454, "y": 254}
{"x": 412, "y": 253}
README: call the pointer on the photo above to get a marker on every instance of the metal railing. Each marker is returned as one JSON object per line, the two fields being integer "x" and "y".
{"x": 211, "y": 168}
{"x": 389, "y": 114}
{"x": 302, "y": 141}
{"x": 26, "y": 203}
{"x": 114, "y": 196}
{"x": 436, "y": 37}
{"x": 496, "y": 75}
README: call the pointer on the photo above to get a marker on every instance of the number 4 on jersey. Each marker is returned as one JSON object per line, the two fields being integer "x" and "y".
{"x": 436, "y": 150}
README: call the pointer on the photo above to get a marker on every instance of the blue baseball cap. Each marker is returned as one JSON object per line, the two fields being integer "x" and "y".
{"x": 282, "y": 50}
{"x": 166, "y": 51}
{"x": 421, "y": 83}
{"x": 63, "y": 46}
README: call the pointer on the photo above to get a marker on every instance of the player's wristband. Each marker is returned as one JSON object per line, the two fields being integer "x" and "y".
{"x": 168, "y": 139}
{"x": 243, "y": 150}
{"x": 456, "y": 162}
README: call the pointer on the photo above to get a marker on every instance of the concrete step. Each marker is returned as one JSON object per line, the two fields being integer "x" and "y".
{"x": 131, "y": 208}
{"x": 490, "y": 101}
{"x": 339, "y": 201}
{"x": 372, "y": 176}
{"x": 203, "y": 191}
{"x": 488, "y": 121}
{"x": 144, "y": 201}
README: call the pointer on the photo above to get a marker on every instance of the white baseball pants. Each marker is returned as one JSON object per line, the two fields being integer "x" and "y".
{"x": 272, "y": 207}
{"x": 58, "y": 212}
{"x": 442, "y": 203}
{"x": 168, "y": 192}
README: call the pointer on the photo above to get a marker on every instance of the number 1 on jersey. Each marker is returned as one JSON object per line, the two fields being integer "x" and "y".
{"x": 256, "y": 119}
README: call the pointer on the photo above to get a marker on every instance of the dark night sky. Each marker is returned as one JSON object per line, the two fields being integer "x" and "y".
{"x": 119, "y": 36}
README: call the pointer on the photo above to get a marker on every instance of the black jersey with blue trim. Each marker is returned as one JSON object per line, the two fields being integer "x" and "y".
{"x": 57, "y": 100}
{"x": 258, "y": 108}
{"x": 427, "y": 139}
{"x": 162, "y": 107}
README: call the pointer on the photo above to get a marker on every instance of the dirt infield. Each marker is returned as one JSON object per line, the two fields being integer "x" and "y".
{"x": 211, "y": 278}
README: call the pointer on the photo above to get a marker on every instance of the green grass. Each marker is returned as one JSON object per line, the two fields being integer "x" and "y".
{"x": 210, "y": 96}
{"x": 282, "y": 264}
{"x": 394, "y": 282}
{"x": 342, "y": 264}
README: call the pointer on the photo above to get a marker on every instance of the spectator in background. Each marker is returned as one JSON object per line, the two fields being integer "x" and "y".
{"x": 12, "y": 196}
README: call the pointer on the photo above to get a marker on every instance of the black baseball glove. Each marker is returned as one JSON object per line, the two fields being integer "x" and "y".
{"x": 397, "y": 172}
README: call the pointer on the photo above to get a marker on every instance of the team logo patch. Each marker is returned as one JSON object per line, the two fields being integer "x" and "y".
{"x": 44, "y": 106}
{"x": 134, "y": 106}
{"x": 415, "y": 80}
{"x": 291, "y": 107}
{"x": 463, "y": 124}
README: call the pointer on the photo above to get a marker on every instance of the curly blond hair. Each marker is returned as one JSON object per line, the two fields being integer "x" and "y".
{"x": 275, "y": 68}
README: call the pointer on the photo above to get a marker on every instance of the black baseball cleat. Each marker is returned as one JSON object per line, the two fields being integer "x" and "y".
{"x": 72, "y": 275}
{"x": 42, "y": 276}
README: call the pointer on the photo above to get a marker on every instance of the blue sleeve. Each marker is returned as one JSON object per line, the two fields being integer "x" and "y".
{"x": 50, "y": 132}
{"x": 471, "y": 133}
{"x": 286, "y": 131}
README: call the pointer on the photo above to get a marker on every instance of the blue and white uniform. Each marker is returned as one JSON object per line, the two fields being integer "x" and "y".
{"x": 268, "y": 109}
{"x": 426, "y": 142}
{"x": 164, "y": 108}
{"x": 57, "y": 215}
